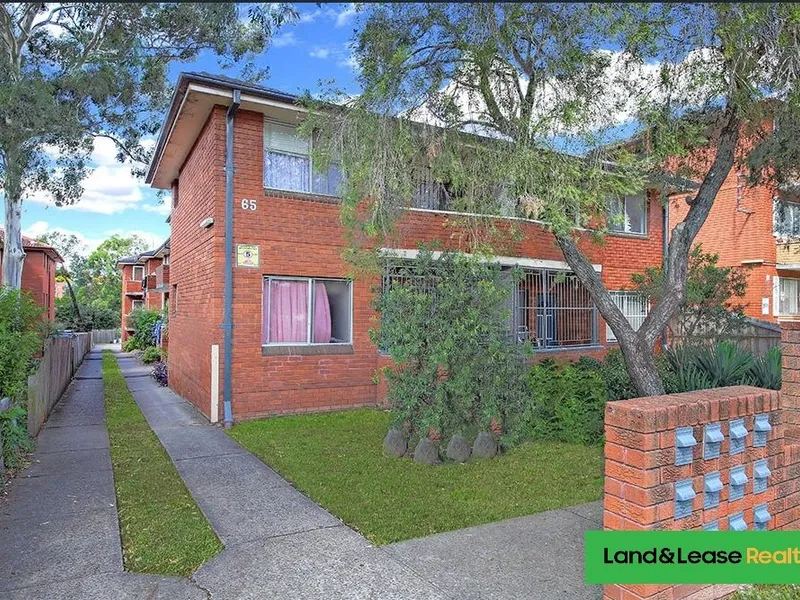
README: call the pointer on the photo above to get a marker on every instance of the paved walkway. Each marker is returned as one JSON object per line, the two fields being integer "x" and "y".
{"x": 59, "y": 534}
{"x": 278, "y": 543}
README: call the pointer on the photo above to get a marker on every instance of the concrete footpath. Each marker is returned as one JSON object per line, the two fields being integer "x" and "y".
{"x": 59, "y": 533}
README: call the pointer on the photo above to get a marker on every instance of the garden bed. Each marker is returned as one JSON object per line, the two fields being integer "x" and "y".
{"x": 337, "y": 460}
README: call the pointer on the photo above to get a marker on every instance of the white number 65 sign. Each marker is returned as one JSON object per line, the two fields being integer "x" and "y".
{"x": 248, "y": 204}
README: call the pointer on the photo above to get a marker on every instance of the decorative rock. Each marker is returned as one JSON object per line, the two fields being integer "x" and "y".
{"x": 484, "y": 446}
{"x": 394, "y": 444}
{"x": 426, "y": 452}
{"x": 458, "y": 449}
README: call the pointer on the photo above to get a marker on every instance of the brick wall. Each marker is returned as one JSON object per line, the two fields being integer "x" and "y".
{"x": 303, "y": 236}
{"x": 646, "y": 437}
{"x": 738, "y": 228}
{"x": 39, "y": 279}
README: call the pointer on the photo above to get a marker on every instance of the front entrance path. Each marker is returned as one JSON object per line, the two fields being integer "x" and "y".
{"x": 59, "y": 533}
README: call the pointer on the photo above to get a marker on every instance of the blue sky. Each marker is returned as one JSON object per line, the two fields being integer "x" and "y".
{"x": 302, "y": 54}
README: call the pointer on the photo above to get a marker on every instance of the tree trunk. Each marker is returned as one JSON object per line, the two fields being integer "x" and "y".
{"x": 13, "y": 253}
{"x": 641, "y": 366}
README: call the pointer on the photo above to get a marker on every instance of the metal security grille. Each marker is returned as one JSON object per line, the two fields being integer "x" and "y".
{"x": 634, "y": 306}
{"x": 550, "y": 309}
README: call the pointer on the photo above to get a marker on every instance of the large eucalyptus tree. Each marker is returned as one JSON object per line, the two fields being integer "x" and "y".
{"x": 70, "y": 72}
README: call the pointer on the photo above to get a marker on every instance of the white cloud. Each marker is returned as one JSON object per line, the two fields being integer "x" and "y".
{"x": 285, "y": 39}
{"x": 109, "y": 188}
{"x": 309, "y": 17}
{"x": 163, "y": 208}
{"x": 318, "y": 52}
{"x": 153, "y": 240}
{"x": 346, "y": 15}
{"x": 39, "y": 228}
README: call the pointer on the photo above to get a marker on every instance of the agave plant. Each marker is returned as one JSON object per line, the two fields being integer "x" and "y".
{"x": 766, "y": 370}
{"x": 725, "y": 364}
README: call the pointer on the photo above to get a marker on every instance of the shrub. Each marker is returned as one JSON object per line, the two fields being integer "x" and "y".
{"x": 21, "y": 335}
{"x": 130, "y": 345}
{"x": 723, "y": 364}
{"x": 159, "y": 373}
{"x": 150, "y": 355}
{"x": 767, "y": 370}
{"x": 444, "y": 322}
{"x": 144, "y": 323}
{"x": 566, "y": 404}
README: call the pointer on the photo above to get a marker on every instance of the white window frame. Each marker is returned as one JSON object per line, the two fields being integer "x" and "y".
{"x": 309, "y": 155}
{"x": 628, "y": 299}
{"x": 135, "y": 302}
{"x": 793, "y": 218}
{"x": 267, "y": 297}
{"x": 777, "y": 304}
{"x": 133, "y": 273}
{"x": 624, "y": 228}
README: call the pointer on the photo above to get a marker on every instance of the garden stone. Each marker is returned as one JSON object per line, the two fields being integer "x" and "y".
{"x": 484, "y": 446}
{"x": 458, "y": 449}
{"x": 394, "y": 444}
{"x": 426, "y": 452}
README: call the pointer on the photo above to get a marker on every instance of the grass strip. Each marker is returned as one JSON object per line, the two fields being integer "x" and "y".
{"x": 337, "y": 459}
{"x": 162, "y": 529}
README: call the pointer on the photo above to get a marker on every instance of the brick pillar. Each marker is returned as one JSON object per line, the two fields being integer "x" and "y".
{"x": 790, "y": 347}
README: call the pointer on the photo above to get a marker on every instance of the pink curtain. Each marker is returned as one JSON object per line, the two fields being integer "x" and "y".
{"x": 322, "y": 315}
{"x": 288, "y": 312}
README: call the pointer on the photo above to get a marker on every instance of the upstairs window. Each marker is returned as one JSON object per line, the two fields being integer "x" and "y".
{"x": 288, "y": 163}
{"x": 788, "y": 300}
{"x": 138, "y": 273}
{"x": 628, "y": 214}
{"x": 786, "y": 219}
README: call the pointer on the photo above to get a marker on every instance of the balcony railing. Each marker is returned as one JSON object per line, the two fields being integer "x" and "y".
{"x": 128, "y": 323}
{"x": 132, "y": 287}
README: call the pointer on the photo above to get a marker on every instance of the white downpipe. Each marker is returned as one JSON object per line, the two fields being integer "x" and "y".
{"x": 214, "y": 383}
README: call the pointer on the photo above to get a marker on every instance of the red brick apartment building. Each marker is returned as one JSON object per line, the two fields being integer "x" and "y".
{"x": 298, "y": 327}
{"x": 758, "y": 228}
{"x": 38, "y": 273}
{"x": 145, "y": 283}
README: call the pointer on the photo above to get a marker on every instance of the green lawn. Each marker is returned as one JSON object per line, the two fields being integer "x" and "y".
{"x": 163, "y": 530}
{"x": 337, "y": 460}
{"x": 770, "y": 592}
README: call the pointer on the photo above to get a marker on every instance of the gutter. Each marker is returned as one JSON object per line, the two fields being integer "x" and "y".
{"x": 227, "y": 325}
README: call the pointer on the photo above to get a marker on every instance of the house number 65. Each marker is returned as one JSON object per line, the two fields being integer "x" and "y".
{"x": 248, "y": 204}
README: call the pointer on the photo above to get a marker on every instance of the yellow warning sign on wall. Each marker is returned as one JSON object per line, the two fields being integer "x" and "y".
{"x": 246, "y": 255}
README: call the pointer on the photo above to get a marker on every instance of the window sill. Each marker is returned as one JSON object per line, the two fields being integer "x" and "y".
{"x": 290, "y": 195}
{"x": 307, "y": 350}
{"x": 623, "y": 234}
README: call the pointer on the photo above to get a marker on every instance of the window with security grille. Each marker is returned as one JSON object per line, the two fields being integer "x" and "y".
{"x": 551, "y": 309}
{"x": 634, "y": 306}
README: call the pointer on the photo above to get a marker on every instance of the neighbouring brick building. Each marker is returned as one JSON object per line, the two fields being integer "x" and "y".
{"x": 299, "y": 326}
{"x": 38, "y": 272}
{"x": 757, "y": 228}
{"x": 145, "y": 283}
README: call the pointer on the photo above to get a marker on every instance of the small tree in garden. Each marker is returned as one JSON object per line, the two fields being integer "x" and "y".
{"x": 552, "y": 89}
{"x": 444, "y": 322}
{"x": 713, "y": 294}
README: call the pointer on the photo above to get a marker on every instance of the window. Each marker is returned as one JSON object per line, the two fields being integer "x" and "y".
{"x": 138, "y": 273}
{"x": 288, "y": 164}
{"x": 137, "y": 304}
{"x": 634, "y": 306}
{"x": 786, "y": 218}
{"x": 628, "y": 214}
{"x": 166, "y": 260}
{"x": 788, "y": 301}
{"x": 306, "y": 311}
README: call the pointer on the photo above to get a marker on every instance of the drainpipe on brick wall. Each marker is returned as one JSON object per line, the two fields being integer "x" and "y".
{"x": 664, "y": 252}
{"x": 227, "y": 325}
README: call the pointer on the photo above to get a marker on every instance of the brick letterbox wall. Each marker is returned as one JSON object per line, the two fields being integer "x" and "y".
{"x": 722, "y": 459}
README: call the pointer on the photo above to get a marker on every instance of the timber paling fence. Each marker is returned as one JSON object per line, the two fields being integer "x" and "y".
{"x": 755, "y": 335}
{"x": 61, "y": 358}
{"x": 105, "y": 336}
